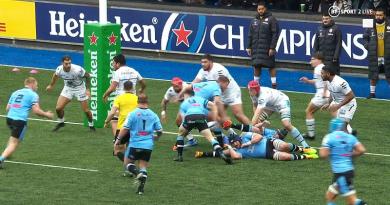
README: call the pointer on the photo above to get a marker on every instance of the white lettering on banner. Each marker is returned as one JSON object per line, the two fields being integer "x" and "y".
{"x": 136, "y": 29}
{"x": 94, "y": 84}
{"x": 288, "y": 43}
{"x": 212, "y": 36}
{"x": 293, "y": 44}
{"x": 231, "y": 36}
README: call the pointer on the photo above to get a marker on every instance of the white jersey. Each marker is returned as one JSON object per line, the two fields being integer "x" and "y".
{"x": 215, "y": 72}
{"x": 124, "y": 74}
{"x": 73, "y": 78}
{"x": 318, "y": 82}
{"x": 338, "y": 89}
{"x": 272, "y": 99}
{"x": 172, "y": 96}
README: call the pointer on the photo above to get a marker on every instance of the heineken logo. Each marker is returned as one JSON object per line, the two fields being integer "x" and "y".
{"x": 93, "y": 39}
{"x": 112, "y": 39}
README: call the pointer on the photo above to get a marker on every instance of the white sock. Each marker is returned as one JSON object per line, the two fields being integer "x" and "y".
{"x": 273, "y": 80}
{"x": 310, "y": 123}
{"x": 349, "y": 128}
{"x": 90, "y": 124}
{"x": 372, "y": 89}
{"x": 256, "y": 78}
{"x": 61, "y": 120}
{"x": 190, "y": 137}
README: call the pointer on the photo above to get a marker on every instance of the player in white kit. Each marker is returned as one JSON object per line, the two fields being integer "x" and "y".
{"x": 122, "y": 74}
{"x": 268, "y": 100}
{"x": 231, "y": 94}
{"x": 320, "y": 98}
{"x": 74, "y": 87}
{"x": 172, "y": 95}
{"x": 342, "y": 103}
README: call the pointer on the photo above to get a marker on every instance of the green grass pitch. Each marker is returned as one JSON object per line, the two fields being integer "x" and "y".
{"x": 195, "y": 181}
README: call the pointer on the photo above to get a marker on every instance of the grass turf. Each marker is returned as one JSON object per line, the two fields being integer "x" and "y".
{"x": 195, "y": 181}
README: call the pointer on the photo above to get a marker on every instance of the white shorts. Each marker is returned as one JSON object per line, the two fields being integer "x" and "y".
{"x": 79, "y": 93}
{"x": 347, "y": 111}
{"x": 231, "y": 97}
{"x": 283, "y": 108}
{"x": 319, "y": 101}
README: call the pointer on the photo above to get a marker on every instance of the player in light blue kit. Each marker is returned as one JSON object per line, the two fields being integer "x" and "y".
{"x": 195, "y": 110}
{"x": 254, "y": 145}
{"x": 341, "y": 147}
{"x": 19, "y": 105}
{"x": 141, "y": 123}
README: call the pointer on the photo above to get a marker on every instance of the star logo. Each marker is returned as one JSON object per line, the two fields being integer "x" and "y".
{"x": 182, "y": 35}
{"x": 112, "y": 39}
{"x": 93, "y": 39}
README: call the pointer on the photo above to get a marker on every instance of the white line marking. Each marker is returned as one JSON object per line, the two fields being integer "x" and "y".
{"x": 288, "y": 91}
{"x": 52, "y": 166}
{"x": 173, "y": 133}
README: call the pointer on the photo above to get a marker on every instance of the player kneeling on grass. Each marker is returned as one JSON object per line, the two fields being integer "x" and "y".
{"x": 341, "y": 147}
{"x": 195, "y": 111}
{"x": 18, "y": 108}
{"x": 141, "y": 123}
{"x": 253, "y": 145}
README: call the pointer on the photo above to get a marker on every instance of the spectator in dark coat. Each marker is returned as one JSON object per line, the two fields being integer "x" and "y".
{"x": 262, "y": 39}
{"x": 328, "y": 42}
{"x": 377, "y": 42}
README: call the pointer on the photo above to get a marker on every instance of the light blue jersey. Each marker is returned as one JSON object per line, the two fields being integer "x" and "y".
{"x": 194, "y": 105}
{"x": 141, "y": 124}
{"x": 21, "y": 102}
{"x": 340, "y": 145}
{"x": 257, "y": 150}
{"x": 269, "y": 133}
{"x": 207, "y": 90}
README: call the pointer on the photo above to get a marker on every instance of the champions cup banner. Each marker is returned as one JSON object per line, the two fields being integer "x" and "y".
{"x": 190, "y": 33}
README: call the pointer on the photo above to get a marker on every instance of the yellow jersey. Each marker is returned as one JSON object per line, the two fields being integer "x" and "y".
{"x": 125, "y": 103}
{"x": 380, "y": 30}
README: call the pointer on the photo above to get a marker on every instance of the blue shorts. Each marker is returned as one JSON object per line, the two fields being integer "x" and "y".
{"x": 18, "y": 128}
{"x": 343, "y": 183}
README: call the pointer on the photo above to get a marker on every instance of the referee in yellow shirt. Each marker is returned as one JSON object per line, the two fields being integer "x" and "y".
{"x": 377, "y": 42}
{"x": 124, "y": 104}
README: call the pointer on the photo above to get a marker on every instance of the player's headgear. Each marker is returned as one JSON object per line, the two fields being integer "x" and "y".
{"x": 253, "y": 84}
{"x": 336, "y": 124}
{"x": 235, "y": 138}
{"x": 177, "y": 81}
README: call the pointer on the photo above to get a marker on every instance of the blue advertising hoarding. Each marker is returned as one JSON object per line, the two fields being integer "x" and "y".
{"x": 189, "y": 33}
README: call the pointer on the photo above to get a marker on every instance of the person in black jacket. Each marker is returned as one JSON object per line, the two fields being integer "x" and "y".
{"x": 262, "y": 39}
{"x": 377, "y": 42}
{"x": 328, "y": 42}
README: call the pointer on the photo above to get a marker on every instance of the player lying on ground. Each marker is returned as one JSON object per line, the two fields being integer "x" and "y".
{"x": 253, "y": 145}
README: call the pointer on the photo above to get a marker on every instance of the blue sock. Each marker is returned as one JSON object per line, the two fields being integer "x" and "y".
{"x": 358, "y": 202}
{"x": 297, "y": 135}
{"x": 2, "y": 158}
{"x": 331, "y": 203}
{"x": 143, "y": 171}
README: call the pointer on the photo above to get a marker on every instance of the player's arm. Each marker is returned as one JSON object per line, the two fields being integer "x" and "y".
{"x": 213, "y": 109}
{"x": 38, "y": 111}
{"x": 185, "y": 89}
{"x": 87, "y": 77}
{"x": 158, "y": 134}
{"x": 143, "y": 86}
{"x": 111, "y": 89}
{"x": 324, "y": 149}
{"x": 256, "y": 115}
{"x": 233, "y": 154}
{"x": 255, "y": 139}
{"x": 358, "y": 150}
{"x": 7, "y": 107}
{"x": 164, "y": 103}
{"x": 110, "y": 115}
{"x": 53, "y": 81}
{"x": 306, "y": 80}
{"x": 122, "y": 133}
{"x": 346, "y": 100}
